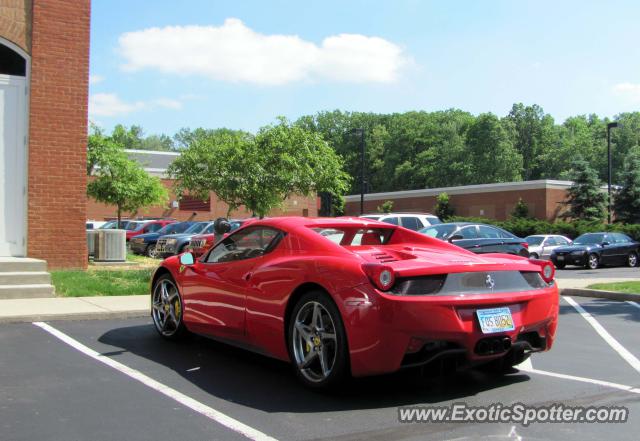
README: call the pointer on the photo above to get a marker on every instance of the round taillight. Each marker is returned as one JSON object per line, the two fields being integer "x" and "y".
{"x": 386, "y": 279}
{"x": 548, "y": 271}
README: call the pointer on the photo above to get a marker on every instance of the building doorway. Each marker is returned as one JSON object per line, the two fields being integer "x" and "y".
{"x": 14, "y": 65}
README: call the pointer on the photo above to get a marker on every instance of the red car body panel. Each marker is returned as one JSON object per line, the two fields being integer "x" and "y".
{"x": 247, "y": 301}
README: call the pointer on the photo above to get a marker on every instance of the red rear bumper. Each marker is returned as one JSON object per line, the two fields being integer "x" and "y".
{"x": 384, "y": 329}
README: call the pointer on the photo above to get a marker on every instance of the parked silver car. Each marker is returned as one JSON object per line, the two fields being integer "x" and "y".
{"x": 541, "y": 245}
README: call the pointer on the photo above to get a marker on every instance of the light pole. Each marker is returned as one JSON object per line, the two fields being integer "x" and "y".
{"x": 362, "y": 164}
{"x": 610, "y": 126}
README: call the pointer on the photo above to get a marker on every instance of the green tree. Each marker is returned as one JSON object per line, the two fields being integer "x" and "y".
{"x": 491, "y": 153}
{"x": 385, "y": 207}
{"x": 443, "y": 209}
{"x": 585, "y": 198}
{"x": 262, "y": 171}
{"x": 521, "y": 210}
{"x": 627, "y": 199}
{"x": 128, "y": 138}
{"x": 118, "y": 180}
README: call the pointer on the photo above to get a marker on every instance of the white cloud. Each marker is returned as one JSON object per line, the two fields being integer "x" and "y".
{"x": 234, "y": 52}
{"x": 167, "y": 103}
{"x": 109, "y": 104}
{"x": 629, "y": 91}
{"x": 95, "y": 79}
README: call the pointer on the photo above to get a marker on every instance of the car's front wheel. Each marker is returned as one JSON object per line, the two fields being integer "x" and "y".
{"x": 632, "y": 259}
{"x": 593, "y": 261}
{"x": 317, "y": 341}
{"x": 167, "y": 309}
{"x": 152, "y": 251}
{"x": 533, "y": 256}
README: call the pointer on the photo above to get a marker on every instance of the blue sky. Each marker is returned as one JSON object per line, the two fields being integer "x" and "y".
{"x": 238, "y": 64}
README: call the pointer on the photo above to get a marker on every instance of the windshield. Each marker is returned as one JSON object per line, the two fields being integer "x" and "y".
{"x": 355, "y": 236}
{"x": 433, "y": 220}
{"x": 589, "y": 239}
{"x": 534, "y": 240}
{"x": 173, "y": 228}
{"x": 440, "y": 231}
{"x": 196, "y": 228}
{"x": 134, "y": 226}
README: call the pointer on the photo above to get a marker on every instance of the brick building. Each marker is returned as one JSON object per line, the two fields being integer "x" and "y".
{"x": 44, "y": 73}
{"x": 496, "y": 201}
{"x": 156, "y": 163}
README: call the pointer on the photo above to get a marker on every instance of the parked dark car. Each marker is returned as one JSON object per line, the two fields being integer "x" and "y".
{"x": 479, "y": 238}
{"x": 592, "y": 250}
{"x": 145, "y": 244}
{"x": 177, "y": 243}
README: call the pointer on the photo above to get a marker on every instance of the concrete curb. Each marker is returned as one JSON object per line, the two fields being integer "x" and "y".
{"x": 106, "y": 315}
{"x": 598, "y": 294}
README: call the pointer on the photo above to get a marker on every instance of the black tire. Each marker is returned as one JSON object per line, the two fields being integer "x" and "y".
{"x": 593, "y": 262}
{"x": 632, "y": 259}
{"x": 167, "y": 312}
{"x": 316, "y": 343}
{"x": 533, "y": 256}
{"x": 560, "y": 265}
{"x": 151, "y": 252}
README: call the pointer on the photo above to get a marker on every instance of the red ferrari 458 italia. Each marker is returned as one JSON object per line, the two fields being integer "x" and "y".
{"x": 351, "y": 296}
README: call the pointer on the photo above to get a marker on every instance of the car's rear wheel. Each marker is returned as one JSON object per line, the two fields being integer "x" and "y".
{"x": 593, "y": 261}
{"x": 317, "y": 341}
{"x": 632, "y": 259}
{"x": 152, "y": 251}
{"x": 166, "y": 308}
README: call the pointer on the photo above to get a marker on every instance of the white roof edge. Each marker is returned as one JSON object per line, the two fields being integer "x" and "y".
{"x": 465, "y": 189}
{"x": 152, "y": 152}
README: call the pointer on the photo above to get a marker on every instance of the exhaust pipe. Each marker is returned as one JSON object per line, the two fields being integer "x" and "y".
{"x": 493, "y": 345}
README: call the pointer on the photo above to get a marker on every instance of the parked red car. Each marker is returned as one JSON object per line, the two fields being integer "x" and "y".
{"x": 350, "y": 296}
{"x": 201, "y": 243}
{"x": 135, "y": 228}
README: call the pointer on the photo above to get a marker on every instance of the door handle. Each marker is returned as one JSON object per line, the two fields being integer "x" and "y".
{"x": 247, "y": 276}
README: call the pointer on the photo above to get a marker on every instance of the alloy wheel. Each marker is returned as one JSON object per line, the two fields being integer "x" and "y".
{"x": 315, "y": 346}
{"x": 593, "y": 261}
{"x": 166, "y": 308}
{"x": 633, "y": 259}
{"x": 152, "y": 251}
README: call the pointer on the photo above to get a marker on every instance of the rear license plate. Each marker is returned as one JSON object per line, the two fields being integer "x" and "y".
{"x": 495, "y": 320}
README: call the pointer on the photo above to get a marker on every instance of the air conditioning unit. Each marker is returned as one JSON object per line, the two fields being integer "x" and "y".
{"x": 111, "y": 246}
{"x": 92, "y": 235}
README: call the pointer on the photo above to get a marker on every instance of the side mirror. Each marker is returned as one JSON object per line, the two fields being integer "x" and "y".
{"x": 455, "y": 237}
{"x": 186, "y": 259}
{"x": 221, "y": 226}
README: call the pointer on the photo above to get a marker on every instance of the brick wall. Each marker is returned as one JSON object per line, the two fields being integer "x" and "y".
{"x": 15, "y": 22}
{"x": 58, "y": 131}
{"x": 294, "y": 206}
{"x": 542, "y": 203}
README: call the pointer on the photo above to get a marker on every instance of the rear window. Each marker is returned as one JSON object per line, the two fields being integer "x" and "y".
{"x": 354, "y": 236}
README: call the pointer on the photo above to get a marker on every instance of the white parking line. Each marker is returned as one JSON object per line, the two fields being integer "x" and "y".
{"x": 624, "y": 387}
{"x": 624, "y": 353}
{"x": 631, "y": 302}
{"x": 185, "y": 400}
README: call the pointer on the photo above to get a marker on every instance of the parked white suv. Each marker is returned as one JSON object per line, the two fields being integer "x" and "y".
{"x": 412, "y": 221}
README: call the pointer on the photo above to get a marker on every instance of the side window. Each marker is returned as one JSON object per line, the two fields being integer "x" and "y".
{"x": 562, "y": 241}
{"x": 468, "y": 232}
{"x": 246, "y": 244}
{"x": 623, "y": 238}
{"x": 391, "y": 220}
{"x": 489, "y": 232}
{"x": 412, "y": 223}
{"x": 551, "y": 241}
{"x": 153, "y": 227}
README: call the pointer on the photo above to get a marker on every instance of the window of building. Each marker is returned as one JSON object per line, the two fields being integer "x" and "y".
{"x": 12, "y": 63}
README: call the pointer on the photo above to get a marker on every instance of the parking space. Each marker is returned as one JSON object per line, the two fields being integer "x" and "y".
{"x": 51, "y": 390}
{"x": 607, "y": 272}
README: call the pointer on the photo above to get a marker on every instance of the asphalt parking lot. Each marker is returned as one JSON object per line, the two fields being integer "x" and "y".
{"x": 147, "y": 388}
{"x": 606, "y": 272}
